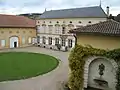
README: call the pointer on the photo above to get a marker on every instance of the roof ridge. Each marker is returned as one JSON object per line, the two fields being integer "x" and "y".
{"x": 73, "y": 8}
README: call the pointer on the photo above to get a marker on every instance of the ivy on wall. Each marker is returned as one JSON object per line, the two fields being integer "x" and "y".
{"x": 77, "y": 62}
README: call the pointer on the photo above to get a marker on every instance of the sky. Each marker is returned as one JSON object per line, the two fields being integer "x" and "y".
{"x": 38, "y": 6}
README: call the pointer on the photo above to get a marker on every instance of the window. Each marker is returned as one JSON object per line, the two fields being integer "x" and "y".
{"x": 30, "y": 31}
{"x": 56, "y": 41}
{"x": 10, "y": 31}
{"x": 63, "y": 42}
{"x": 43, "y": 21}
{"x": 63, "y": 21}
{"x": 44, "y": 40}
{"x": 57, "y": 22}
{"x": 2, "y": 43}
{"x": 38, "y": 29}
{"x": 63, "y": 30}
{"x": 44, "y": 28}
{"x": 57, "y": 29}
{"x": 50, "y": 28}
{"x": 2, "y": 31}
{"x": 50, "y": 40}
{"x": 69, "y": 43}
{"x": 38, "y": 39}
{"x": 89, "y": 22}
{"x": 38, "y": 21}
{"x": 50, "y": 22}
{"x": 23, "y": 40}
{"x": 70, "y": 21}
{"x": 17, "y": 32}
{"x": 79, "y": 22}
{"x": 71, "y": 26}
{"x": 29, "y": 40}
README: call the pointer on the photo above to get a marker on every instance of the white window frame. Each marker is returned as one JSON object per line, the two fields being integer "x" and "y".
{"x": 50, "y": 28}
{"x": 2, "y": 44}
{"x": 56, "y": 41}
{"x": 44, "y": 28}
{"x": 23, "y": 40}
{"x": 29, "y": 40}
{"x": 50, "y": 40}
{"x": 44, "y": 40}
{"x": 63, "y": 42}
{"x": 38, "y": 39}
{"x": 70, "y": 41}
{"x": 57, "y": 29}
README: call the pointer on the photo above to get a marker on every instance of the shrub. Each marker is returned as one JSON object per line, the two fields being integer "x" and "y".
{"x": 77, "y": 62}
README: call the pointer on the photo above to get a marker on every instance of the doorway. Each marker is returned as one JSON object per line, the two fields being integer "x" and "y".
{"x": 15, "y": 44}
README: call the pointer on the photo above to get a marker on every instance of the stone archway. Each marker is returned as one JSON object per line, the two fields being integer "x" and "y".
{"x": 14, "y": 42}
{"x": 89, "y": 61}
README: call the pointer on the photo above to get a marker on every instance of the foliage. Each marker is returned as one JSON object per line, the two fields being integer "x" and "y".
{"x": 77, "y": 62}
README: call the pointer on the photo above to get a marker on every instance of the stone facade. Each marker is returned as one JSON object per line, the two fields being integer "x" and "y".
{"x": 111, "y": 64}
{"x": 56, "y": 28}
{"x": 24, "y": 36}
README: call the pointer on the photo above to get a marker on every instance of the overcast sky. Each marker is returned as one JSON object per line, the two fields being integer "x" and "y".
{"x": 38, "y": 6}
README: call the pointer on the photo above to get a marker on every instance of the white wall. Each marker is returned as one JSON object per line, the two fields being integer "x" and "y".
{"x": 75, "y": 22}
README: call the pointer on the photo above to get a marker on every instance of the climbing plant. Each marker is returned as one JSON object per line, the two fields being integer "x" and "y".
{"x": 77, "y": 62}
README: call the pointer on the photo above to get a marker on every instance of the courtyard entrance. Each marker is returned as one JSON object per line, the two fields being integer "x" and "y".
{"x": 14, "y": 42}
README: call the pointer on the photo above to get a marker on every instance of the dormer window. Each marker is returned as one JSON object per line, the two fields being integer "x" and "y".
{"x": 57, "y": 22}
{"x": 79, "y": 22}
{"x": 50, "y": 22}
{"x": 63, "y": 21}
{"x": 70, "y": 21}
{"x": 43, "y": 21}
{"x": 89, "y": 22}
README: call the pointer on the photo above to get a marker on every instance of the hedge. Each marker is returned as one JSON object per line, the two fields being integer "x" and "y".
{"x": 76, "y": 64}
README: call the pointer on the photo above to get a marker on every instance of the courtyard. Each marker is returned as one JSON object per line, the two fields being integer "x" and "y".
{"x": 22, "y": 65}
{"x": 49, "y": 81}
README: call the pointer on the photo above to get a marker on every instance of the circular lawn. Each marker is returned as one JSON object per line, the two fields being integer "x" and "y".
{"x": 22, "y": 65}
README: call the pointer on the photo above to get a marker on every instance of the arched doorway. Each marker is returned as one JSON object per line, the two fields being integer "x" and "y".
{"x": 14, "y": 42}
{"x": 100, "y": 72}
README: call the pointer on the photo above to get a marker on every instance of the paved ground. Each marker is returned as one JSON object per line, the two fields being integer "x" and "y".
{"x": 49, "y": 81}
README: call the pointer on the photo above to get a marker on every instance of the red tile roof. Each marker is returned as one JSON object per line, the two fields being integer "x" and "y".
{"x": 109, "y": 27}
{"x": 16, "y": 21}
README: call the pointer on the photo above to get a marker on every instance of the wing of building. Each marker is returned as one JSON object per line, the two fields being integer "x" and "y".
{"x": 16, "y": 31}
{"x": 53, "y": 26}
{"x": 105, "y": 35}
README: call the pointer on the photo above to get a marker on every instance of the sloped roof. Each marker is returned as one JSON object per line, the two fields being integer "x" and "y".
{"x": 15, "y": 21}
{"x": 92, "y": 12}
{"x": 109, "y": 27}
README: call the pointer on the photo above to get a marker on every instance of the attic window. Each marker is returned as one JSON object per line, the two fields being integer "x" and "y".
{"x": 63, "y": 21}
{"x": 50, "y": 22}
{"x": 43, "y": 21}
{"x": 89, "y": 22}
{"x": 38, "y": 21}
{"x": 79, "y": 22}
{"x": 70, "y": 21}
{"x": 57, "y": 22}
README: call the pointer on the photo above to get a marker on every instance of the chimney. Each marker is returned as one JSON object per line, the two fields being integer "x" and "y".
{"x": 108, "y": 11}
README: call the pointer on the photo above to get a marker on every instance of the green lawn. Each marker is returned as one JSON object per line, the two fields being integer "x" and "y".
{"x": 21, "y": 65}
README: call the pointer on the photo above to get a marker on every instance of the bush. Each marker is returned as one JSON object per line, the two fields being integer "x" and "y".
{"x": 77, "y": 62}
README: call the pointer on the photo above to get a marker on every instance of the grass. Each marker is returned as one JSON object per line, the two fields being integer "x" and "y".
{"x": 22, "y": 65}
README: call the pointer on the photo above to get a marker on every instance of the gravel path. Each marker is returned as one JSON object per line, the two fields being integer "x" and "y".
{"x": 49, "y": 81}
